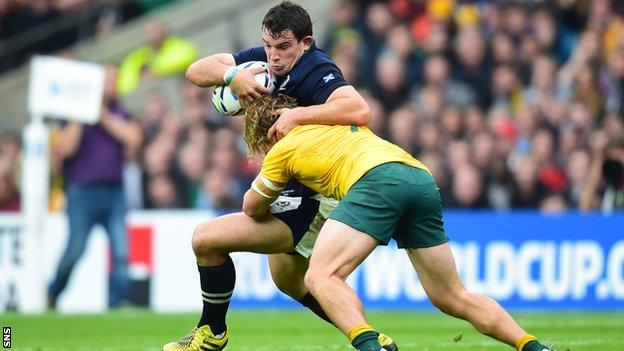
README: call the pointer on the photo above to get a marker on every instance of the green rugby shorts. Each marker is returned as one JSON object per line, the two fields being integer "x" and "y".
{"x": 395, "y": 201}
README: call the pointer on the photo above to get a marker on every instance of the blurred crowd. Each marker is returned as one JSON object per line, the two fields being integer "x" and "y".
{"x": 46, "y": 26}
{"x": 512, "y": 105}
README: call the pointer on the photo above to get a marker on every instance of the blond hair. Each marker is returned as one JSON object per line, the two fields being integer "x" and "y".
{"x": 259, "y": 118}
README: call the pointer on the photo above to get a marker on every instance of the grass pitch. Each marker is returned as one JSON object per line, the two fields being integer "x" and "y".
{"x": 264, "y": 330}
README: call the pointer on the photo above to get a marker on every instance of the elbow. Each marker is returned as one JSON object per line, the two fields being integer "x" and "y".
{"x": 134, "y": 138}
{"x": 190, "y": 73}
{"x": 253, "y": 211}
{"x": 67, "y": 151}
{"x": 248, "y": 211}
{"x": 193, "y": 73}
{"x": 252, "y": 208}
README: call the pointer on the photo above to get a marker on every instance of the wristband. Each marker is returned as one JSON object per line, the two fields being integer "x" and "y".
{"x": 228, "y": 76}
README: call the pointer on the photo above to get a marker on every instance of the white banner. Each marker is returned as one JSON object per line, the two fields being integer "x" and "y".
{"x": 65, "y": 89}
{"x": 558, "y": 266}
{"x": 86, "y": 290}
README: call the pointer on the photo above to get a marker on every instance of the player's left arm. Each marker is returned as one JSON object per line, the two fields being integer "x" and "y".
{"x": 345, "y": 106}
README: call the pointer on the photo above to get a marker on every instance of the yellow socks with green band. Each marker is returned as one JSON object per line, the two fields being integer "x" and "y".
{"x": 530, "y": 343}
{"x": 364, "y": 338}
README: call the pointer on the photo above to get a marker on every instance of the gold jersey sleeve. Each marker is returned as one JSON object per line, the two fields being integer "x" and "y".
{"x": 330, "y": 159}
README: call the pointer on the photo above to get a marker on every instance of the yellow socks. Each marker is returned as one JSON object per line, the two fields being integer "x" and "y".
{"x": 523, "y": 341}
{"x": 364, "y": 338}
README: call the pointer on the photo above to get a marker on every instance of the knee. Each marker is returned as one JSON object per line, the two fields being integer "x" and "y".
{"x": 73, "y": 252}
{"x": 314, "y": 278}
{"x": 311, "y": 279}
{"x": 204, "y": 240}
{"x": 451, "y": 303}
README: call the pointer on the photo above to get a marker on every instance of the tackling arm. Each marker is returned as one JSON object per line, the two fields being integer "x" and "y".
{"x": 345, "y": 106}
{"x": 256, "y": 205}
{"x": 258, "y": 199}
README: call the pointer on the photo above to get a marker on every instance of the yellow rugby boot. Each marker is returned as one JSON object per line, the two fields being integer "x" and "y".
{"x": 199, "y": 339}
{"x": 387, "y": 343}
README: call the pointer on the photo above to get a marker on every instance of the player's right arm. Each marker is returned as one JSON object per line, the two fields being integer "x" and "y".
{"x": 210, "y": 71}
{"x": 270, "y": 182}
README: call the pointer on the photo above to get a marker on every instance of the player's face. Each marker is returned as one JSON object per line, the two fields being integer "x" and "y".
{"x": 284, "y": 51}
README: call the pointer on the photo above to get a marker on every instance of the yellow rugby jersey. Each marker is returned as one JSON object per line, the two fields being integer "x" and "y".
{"x": 326, "y": 159}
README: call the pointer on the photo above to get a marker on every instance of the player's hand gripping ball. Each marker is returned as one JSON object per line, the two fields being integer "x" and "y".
{"x": 225, "y": 100}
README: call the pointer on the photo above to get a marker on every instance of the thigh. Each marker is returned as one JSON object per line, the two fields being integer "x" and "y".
{"x": 436, "y": 270}
{"x": 288, "y": 271}
{"x": 305, "y": 245}
{"x": 239, "y": 232}
{"x": 297, "y": 206}
{"x": 115, "y": 222}
{"x": 421, "y": 224}
{"x": 339, "y": 249}
{"x": 81, "y": 215}
{"x": 372, "y": 205}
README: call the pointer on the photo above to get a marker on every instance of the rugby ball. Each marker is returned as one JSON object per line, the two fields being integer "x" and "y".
{"x": 225, "y": 100}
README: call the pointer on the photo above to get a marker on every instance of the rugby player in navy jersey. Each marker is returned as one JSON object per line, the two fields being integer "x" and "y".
{"x": 324, "y": 97}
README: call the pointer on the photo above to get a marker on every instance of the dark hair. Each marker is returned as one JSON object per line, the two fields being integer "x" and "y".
{"x": 288, "y": 15}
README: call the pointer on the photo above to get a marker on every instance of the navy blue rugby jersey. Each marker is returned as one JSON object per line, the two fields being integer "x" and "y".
{"x": 311, "y": 81}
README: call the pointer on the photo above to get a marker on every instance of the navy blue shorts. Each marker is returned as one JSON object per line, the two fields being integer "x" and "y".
{"x": 296, "y": 207}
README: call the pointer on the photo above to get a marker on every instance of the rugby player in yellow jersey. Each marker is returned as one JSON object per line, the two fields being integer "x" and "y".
{"x": 384, "y": 194}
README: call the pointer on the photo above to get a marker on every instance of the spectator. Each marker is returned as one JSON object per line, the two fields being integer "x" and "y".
{"x": 553, "y": 203}
{"x": 451, "y": 121}
{"x": 402, "y": 126}
{"x": 578, "y": 163}
{"x": 531, "y": 111}
{"x": 391, "y": 85}
{"x": 115, "y": 13}
{"x": 162, "y": 193}
{"x": 467, "y": 189}
{"x": 437, "y": 74}
{"x": 503, "y": 49}
{"x": 473, "y": 66}
{"x": 93, "y": 157}
{"x": 9, "y": 195}
{"x": 163, "y": 54}
{"x": 605, "y": 178}
{"x": 192, "y": 164}
{"x": 527, "y": 192}
{"x": 156, "y": 119}
{"x": 219, "y": 192}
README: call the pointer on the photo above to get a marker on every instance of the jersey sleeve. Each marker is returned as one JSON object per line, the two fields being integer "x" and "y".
{"x": 274, "y": 174}
{"x": 323, "y": 82}
{"x": 251, "y": 54}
